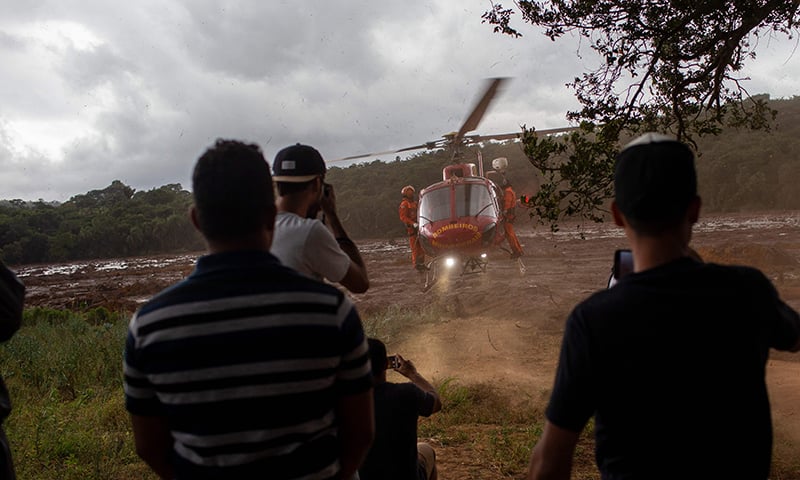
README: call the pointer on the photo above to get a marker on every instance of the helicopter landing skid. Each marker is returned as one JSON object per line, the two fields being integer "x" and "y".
{"x": 436, "y": 269}
{"x": 521, "y": 264}
{"x": 430, "y": 276}
{"x": 474, "y": 265}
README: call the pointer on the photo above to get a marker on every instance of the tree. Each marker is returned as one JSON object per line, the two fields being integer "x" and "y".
{"x": 668, "y": 66}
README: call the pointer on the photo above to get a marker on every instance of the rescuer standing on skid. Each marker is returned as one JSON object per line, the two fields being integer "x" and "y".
{"x": 408, "y": 215}
{"x": 509, "y": 211}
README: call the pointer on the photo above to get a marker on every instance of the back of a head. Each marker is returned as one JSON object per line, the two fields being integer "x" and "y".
{"x": 377, "y": 356}
{"x": 654, "y": 181}
{"x": 232, "y": 189}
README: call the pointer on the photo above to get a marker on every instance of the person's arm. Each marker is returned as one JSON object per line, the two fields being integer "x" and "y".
{"x": 551, "y": 458}
{"x": 356, "y": 414}
{"x": 12, "y": 299}
{"x": 407, "y": 369}
{"x": 793, "y": 319}
{"x": 153, "y": 442}
{"x": 510, "y": 205}
{"x": 405, "y": 217}
{"x": 356, "y": 279}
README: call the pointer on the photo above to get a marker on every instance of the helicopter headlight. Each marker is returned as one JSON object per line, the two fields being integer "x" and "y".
{"x": 489, "y": 233}
{"x": 483, "y": 255}
{"x": 450, "y": 262}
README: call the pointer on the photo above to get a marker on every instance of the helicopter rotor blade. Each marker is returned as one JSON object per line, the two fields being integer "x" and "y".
{"x": 429, "y": 145}
{"x": 500, "y": 136}
{"x": 474, "y": 118}
{"x": 510, "y": 136}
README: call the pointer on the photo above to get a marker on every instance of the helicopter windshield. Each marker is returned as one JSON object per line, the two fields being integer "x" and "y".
{"x": 471, "y": 199}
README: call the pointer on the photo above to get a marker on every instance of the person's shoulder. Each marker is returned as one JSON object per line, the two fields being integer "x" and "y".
{"x": 289, "y": 219}
{"x": 731, "y": 269}
{"x": 404, "y": 389}
{"x": 742, "y": 274}
{"x": 165, "y": 297}
{"x": 272, "y": 278}
{"x": 405, "y": 392}
{"x": 598, "y": 302}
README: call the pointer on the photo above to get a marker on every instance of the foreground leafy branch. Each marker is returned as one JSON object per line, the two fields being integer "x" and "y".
{"x": 668, "y": 66}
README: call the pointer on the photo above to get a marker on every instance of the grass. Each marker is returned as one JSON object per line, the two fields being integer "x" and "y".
{"x": 64, "y": 372}
{"x": 493, "y": 430}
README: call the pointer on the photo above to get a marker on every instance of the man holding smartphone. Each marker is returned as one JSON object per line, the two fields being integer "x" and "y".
{"x": 318, "y": 249}
{"x": 395, "y": 454}
{"x": 677, "y": 343}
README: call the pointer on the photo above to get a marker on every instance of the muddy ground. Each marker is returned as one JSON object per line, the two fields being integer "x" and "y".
{"x": 503, "y": 328}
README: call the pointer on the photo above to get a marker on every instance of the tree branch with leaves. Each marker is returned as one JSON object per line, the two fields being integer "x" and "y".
{"x": 667, "y": 66}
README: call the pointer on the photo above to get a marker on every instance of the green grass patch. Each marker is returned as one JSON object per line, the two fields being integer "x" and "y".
{"x": 64, "y": 372}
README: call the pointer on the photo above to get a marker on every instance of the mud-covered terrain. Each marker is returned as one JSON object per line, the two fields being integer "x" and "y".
{"x": 502, "y": 328}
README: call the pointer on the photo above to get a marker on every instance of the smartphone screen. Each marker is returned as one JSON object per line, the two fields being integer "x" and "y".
{"x": 392, "y": 361}
{"x": 623, "y": 263}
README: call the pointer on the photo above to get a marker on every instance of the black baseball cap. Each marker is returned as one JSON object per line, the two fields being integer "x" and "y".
{"x": 654, "y": 178}
{"x": 297, "y": 163}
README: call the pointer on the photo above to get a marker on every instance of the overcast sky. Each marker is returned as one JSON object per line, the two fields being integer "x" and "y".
{"x": 97, "y": 90}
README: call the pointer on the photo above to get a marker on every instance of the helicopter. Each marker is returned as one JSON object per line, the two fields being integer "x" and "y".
{"x": 460, "y": 218}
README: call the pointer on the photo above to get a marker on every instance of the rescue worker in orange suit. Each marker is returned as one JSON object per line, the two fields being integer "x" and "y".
{"x": 408, "y": 215}
{"x": 509, "y": 212}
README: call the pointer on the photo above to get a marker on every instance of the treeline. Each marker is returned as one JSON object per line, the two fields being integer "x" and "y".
{"x": 738, "y": 171}
{"x": 113, "y": 222}
{"x": 752, "y": 171}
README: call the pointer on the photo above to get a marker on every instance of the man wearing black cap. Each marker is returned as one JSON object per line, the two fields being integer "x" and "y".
{"x": 303, "y": 242}
{"x": 671, "y": 361}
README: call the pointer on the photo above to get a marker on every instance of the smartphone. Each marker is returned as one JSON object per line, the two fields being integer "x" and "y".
{"x": 393, "y": 362}
{"x": 623, "y": 263}
{"x": 327, "y": 190}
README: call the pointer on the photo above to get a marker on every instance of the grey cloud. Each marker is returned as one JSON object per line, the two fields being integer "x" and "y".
{"x": 168, "y": 78}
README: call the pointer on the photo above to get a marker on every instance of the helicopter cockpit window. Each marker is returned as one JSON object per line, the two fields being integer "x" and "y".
{"x": 473, "y": 199}
{"x": 434, "y": 206}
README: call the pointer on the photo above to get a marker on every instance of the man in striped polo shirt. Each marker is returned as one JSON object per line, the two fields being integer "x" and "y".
{"x": 247, "y": 369}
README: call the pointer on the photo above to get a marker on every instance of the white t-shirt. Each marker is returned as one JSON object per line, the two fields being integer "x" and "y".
{"x": 306, "y": 245}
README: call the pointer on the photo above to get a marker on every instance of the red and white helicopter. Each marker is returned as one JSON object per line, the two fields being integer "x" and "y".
{"x": 461, "y": 218}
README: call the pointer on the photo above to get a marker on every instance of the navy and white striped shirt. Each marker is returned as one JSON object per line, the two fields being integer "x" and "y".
{"x": 247, "y": 359}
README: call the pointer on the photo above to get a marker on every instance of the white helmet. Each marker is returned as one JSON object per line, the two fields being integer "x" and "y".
{"x": 500, "y": 164}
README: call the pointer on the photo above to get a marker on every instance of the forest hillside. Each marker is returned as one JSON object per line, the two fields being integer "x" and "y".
{"x": 738, "y": 171}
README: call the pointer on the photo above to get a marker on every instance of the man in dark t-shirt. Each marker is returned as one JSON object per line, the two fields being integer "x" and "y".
{"x": 671, "y": 361}
{"x": 395, "y": 453}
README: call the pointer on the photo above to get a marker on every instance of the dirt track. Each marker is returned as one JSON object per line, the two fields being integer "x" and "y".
{"x": 504, "y": 328}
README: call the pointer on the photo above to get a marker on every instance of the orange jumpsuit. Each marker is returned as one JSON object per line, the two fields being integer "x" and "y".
{"x": 509, "y": 206}
{"x": 408, "y": 215}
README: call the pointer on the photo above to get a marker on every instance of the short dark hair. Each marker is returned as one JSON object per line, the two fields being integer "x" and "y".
{"x": 232, "y": 189}
{"x": 377, "y": 356}
{"x": 289, "y": 188}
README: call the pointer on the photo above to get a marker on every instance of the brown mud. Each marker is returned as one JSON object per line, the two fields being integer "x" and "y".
{"x": 503, "y": 328}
